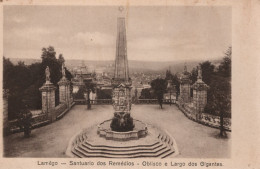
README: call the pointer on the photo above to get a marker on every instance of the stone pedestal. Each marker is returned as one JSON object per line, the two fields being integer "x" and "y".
{"x": 199, "y": 93}
{"x": 64, "y": 91}
{"x": 185, "y": 87}
{"x": 185, "y": 90}
{"x": 199, "y": 96}
{"x": 122, "y": 120}
{"x": 48, "y": 100}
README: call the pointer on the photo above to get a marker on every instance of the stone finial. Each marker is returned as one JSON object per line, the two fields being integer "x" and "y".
{"x": 47, "y": 74}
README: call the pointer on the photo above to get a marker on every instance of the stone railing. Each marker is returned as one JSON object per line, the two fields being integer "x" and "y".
{"x": 80, "y": 101}
{"x": 204, "y": 118}
{"x": 109, "y": 101}
{"x": 101, "y": 101}
{"x": 154, "y": 101}
{"x": 214, "y": 120}
{"x": 94, "y": 102}
{"x": 60, "y": 110}
{"x": 37, "y": 121}
{"x": 146, "y": 101}
{"x": 41, "y": 119}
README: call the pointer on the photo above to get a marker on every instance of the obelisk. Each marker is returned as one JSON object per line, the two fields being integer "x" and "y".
{"x": 122, "y": 121}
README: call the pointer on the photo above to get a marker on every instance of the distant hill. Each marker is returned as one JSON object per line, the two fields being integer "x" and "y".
{"x": 134, "y": 65}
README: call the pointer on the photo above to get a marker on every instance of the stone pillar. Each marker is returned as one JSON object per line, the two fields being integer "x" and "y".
{"x": 64, "y": 91}
{"x": 185, "y": 87}
{"x": 48, "y": 97}
{"x": 199, "y": 93}
{"x": 5, "y": 111}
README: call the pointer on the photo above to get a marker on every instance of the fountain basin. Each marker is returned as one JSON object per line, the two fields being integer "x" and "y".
{"x": 140, "y": 130}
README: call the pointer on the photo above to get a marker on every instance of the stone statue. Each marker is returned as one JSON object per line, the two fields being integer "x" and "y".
{"x": 63, "y": 71}
{"x": 47, "y": 74}
{"x": 185, "y": 67}
{"x": 199, "y": 73}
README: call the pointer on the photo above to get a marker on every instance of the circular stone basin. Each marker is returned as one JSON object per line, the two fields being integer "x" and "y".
{"x": 140, "y": 130}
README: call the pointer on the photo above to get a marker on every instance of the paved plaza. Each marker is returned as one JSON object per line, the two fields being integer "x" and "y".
{"x": 193, "y": 140}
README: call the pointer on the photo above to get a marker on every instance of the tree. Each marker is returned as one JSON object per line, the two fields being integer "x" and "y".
{"x": 16, "y": 79}
{"x": 89, "y": 87}
{"x": 219, "y": 94}
{"x": 61, "y": 59}
{"x": 194, "y": 75}
{"x": 176, "y": 83}
{"x": 159, "y": 87}
{"x": 7, "y": 72}
{"x": 219, "y": 100}
{"x": 48, "y": 53}
{"x": 104, "y": 93}
{"x": 80, "y": 93}
{"x": 175, "y": 80}
{"x": 207, "y": 70}
{"x": 225, "y": 66}
{"x": 146, "y": 94}
{"x": 168, "y": 75}
{"x": 32, "y": 97}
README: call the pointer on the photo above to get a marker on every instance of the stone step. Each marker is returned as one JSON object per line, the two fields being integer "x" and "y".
{"x": 138, "y": 155}
{"x": 77, "y": 154}
{"x": 166, "y": 139}
{"x": 168, "y": 153}
{"x": 122, "y": 153}
{"x": 122, "y": 149}
{"x": 162, "y": 148}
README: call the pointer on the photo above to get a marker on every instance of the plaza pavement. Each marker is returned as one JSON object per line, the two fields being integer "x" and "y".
{"x": 193, "y": 140}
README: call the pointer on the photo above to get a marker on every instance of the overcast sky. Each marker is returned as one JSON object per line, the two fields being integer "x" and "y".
{"x": 153, "y": 33}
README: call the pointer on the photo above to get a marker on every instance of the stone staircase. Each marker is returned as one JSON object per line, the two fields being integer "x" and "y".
{"x": 163, "y": 147}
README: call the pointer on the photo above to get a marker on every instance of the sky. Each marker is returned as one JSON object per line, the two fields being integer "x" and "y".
{"x": 89, "y": 32}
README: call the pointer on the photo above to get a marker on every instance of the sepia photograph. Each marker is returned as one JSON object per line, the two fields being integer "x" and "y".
{"x": 117, "y": 82}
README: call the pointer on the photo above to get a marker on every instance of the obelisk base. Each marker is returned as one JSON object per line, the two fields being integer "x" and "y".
{"x": 122, "y": 122}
